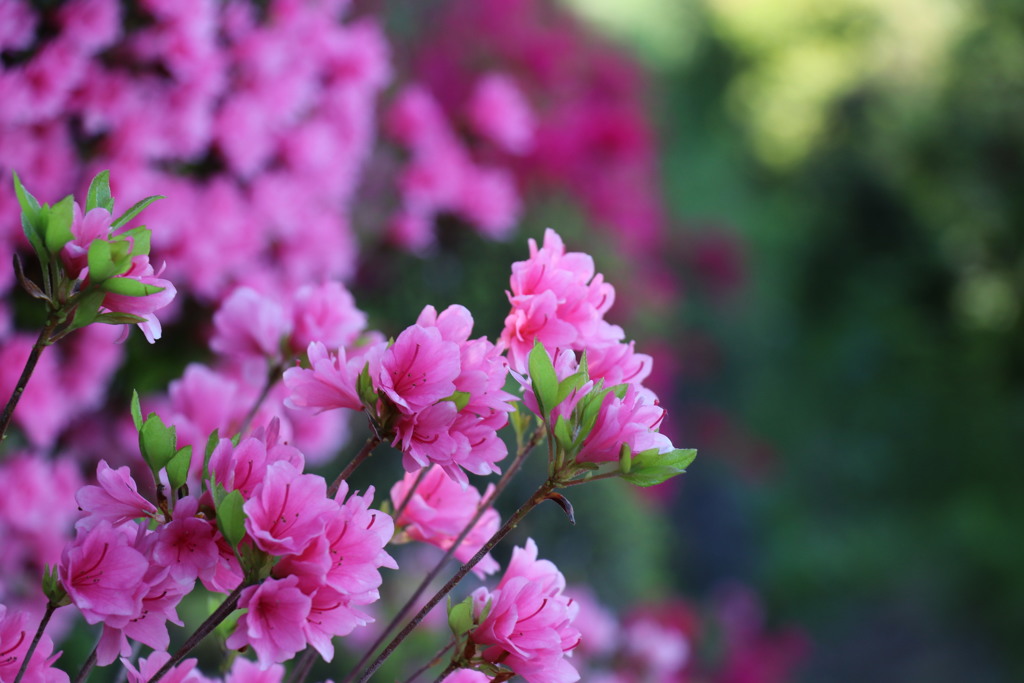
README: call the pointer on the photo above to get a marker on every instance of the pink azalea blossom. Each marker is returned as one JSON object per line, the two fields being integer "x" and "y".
{"x": 183, "y": 672}
{"x": 287, "y": 510}
{"x": 94, "y": 225}
{"x": 248, "y": 324}
{"x": 187, "y": 545}
{"x": 247, "y": 671}
{"x": 16, "y": 633}
{"x": 143, "y": 306}
{"x": 632, "y": 420}
{"x": 327, "y": 314}
{"x": 103, "y": 573}
{"x": 243, "y": 467}
{"x": 529, "y": 626}
{"x": 329, "y": 382}
{"x": 116, "y": 499}
{"x": 418, "y": 370}
{"x": 498, "y": 111}
{"x": 274, "y": 622}
{"x": 438, "y": 509}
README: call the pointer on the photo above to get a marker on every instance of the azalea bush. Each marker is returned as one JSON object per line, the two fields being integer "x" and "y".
{"x": 255, "y": 490}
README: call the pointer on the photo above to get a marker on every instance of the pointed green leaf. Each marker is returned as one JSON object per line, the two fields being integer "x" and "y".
{"x": 563, "y": 434}
{"x": 460, "y": 616}
{"x": 231, "y": 518}
{"x": 157, "y": 442}
{"x": 134, "y": 211}
{"x": 460, "y": 399}
{"x": 101, "y": 267}
{"x": 31, "y": 220}
{"x": 650, "y": 467}
{"x": 177, "y": 467}
{"x": 140, "y": 238}
{"x": 543, "y": 378}
{"x": 87, "y": 309}
{"x": 570, "y": 384}
{"x": 99, "y": 193}
{"x": 119, "y": 319}
{"x": 128, "y": 286}
{"x": 58, "y": 225}
{"x": 136, "y": 410}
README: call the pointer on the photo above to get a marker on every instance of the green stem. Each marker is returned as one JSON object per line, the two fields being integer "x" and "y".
{"x": 205, "y": 628}
{"x": 50, "y": 609}
{"x": 30, "y": 365}
{"x": 539, "y": 495}
{"x": 510, "y": 472}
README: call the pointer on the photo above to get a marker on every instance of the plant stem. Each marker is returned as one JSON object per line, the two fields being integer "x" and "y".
{"x": 273, "y": 375}
{"x": 90, "y": 662}
{"x": 539, "y": 495}
{"x": 434, "y": 660}
{"x": 510, "y": 472}
{"x": 50, "y": 609}
{"x": 205, "y": 628}
{"x": 444, "y": 674}
{"x": 372, "y": 442}
{"x": 412, "y": 492}
{"x": 30, "y": 365}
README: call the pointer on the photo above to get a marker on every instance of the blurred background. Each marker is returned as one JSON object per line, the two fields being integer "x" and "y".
{"x": 841, "y": 189}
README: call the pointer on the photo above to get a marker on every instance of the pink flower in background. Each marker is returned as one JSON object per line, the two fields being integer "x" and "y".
{"x": 183, "y": 672}
{"x": 437, "y": 510}
{"x": 287, "y": 509}
{"x": 247, "y": 671}
{"x": 274, "y": 622}
{"x": 529, "y": 627}
{"x": 327, "y": 314}
{"x": 248, "y": 324}
{"x": 116, "y": 499}
{"x": 499, "y": 112}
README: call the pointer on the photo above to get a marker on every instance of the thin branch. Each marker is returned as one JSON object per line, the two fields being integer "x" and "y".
{"x": 434, "y": 660}
{"x": 50, "y": 609}
{"x": 90, "y": 662}
{"x": 30, "y": 365}
{"x": 449, "y": 670}
{"x": 510, "y": 472}
{"x": 273, "y": 376}
{"x": 412, "y": 492}
{"x": 371, "y": 443}
{"x": 205, "y": 628}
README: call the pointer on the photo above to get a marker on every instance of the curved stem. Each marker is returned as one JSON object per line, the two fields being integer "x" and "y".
{"x": 30, "y": 365}
{"x": 358, "y": 460}
{"x": 205, "y": 628}
{"x": 412, "y": 492}
{"x": 539, "y": 495}
{"x": 510, "y": 472}
{"x": 50, "y": 609}
{"x": 90, "y": 662}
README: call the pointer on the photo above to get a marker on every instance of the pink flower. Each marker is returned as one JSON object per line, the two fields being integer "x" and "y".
{"x": 329, "y": 382}
{"x": 249, "y": 324}
{"x": 184, "y": 672}
{"x": 247, "y": 671}
{"x": 103, "y": 573}
{"x": 287, "y": 510}
{"x": 116, "y": 499}
{"x": 329, "y": 616}
{"x": 16, "y": 632}
{"x": 498, "y": 111}
{"x": 94, "y": 225}
{"x": 327, "y": 314}
{"x": 632, "y": 420}
{"x": 419, "y": 369}
{"x": 528, "y": 627}
{"x": 274, "y": 622}
{"x": 143, "y": 306}
{"x": 243, "y": 467}
{"x": 187, "y": 545}
{"x": 437, "y": 511}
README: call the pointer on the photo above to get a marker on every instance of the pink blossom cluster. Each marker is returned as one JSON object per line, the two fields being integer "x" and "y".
{"x": 440, "y": 392}
{"x": 242, "y": 671}
{"x": 434, "y": 509}
{"x": 16, "y": 632}
{"x": 442, "y": 177}
{"x": 132, "y": 562}
{"x": 526, "y": 623}
{"x": 222, "y": 107}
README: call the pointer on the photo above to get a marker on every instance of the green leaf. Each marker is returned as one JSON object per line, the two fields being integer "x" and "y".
{"x": 140, "y": 238}
{"x": 563, "y": 435}
{"x": 101, "y": 267}
{"x": 570, "y": 384}
{"x": 650, "y": 467}
{"x": 136, "y": 410}
{"x": 119, "y": 319}
{"x": 625, "y": 459}
{"x": 134, "y": 211}
{"x": 589, "y": 407}
{"x": 58, "y": 225}
{"x": 543, "y": 378}
{"x": 364, "y": 387}
{"x": 157, "y": 442}
{"x": 177, "y": 467}
{"x": 211, "y": 446}
{"x": 231, "y": 518}
{"x": 127, "y": 286}
{"x": 460, "y": 616}
{"x": 459, "y": 398}
{"x": 31, "y": 220}
{"x": 99, "y": 193}
{"x": 620, "y": 390}
{"x": 87, "y": 309}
